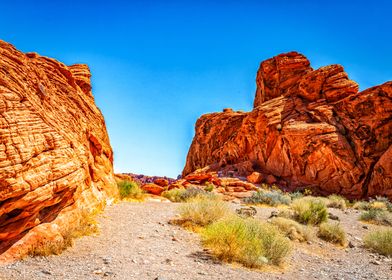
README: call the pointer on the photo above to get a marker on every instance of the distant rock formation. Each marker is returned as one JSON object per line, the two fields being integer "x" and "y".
{"x": 308, "y": 129}
{"x": 55, "y": 155}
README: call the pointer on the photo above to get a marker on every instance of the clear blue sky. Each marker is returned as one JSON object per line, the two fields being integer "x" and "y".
{"x": 158, "y": 65}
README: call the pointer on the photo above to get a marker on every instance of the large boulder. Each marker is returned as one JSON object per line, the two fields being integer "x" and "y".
{"x": 308, "y": 129}
{"x": 55, "y": 155}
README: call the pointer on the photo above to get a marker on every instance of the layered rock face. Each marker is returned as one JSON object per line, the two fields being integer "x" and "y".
{"x": 55, "y": 155}
{"x": 308, "y": 129}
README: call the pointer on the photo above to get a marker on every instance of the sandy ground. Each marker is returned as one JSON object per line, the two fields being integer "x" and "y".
{"x": 136, "y": 242}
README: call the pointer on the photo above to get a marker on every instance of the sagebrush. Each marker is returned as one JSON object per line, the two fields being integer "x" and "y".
{"x": 246, "y": 241}
{"x": 310, "y": 210}
{"x": 379, "y": 241}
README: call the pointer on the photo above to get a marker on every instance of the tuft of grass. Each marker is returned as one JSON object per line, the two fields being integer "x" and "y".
{"x": 202, "y": 211}
{"x": 184, "y": 195}
{"x": 337, "y": 201}
{"x": 296, "y": 195}
{"x": 377, "y": 216}
{"x": 361, "y": 205}
{"x": 174, "y": 195}
{"x": 332, "y": 232}
{"x": 246, "y": 241}
{"x": 379, "y": 241}
{"x": 380, "y": 203}
{"x": 272, "y": 198}
{"x": 310, "y": 211}
{"x": 85, "y": 224}
{"x": 209, "y": 187}
{"x": 130, "y": 190}
{"x": 292, "y": 229}
{"x": 385, "y": 201}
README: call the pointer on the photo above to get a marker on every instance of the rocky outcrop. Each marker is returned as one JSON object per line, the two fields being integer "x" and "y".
{"x": 308, "y": 129}
{"x": 55, "y": 155}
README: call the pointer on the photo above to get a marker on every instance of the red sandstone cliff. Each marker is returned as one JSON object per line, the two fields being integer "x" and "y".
{"x": 55, "y": 155}
{"x": 309, "y": 128}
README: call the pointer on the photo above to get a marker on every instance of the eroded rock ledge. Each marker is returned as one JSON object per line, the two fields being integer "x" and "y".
{"x": 55, "y": 154}
{"x": 308, "y": 129}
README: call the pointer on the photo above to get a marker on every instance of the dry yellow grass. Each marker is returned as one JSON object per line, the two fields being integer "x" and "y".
{"x": 246, "y": 241}
{"x": 293, "y": 230}
{"x": 86, "y": 224}
{"x": 332, "y": 232}
{"x": 310, "y": 210}
{"x": 380, "y": 241}
{"x": 202, "y": 211}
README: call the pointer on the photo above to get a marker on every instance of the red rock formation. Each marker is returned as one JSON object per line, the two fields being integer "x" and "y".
{"x": 55, "y": 155}
{"x": 153, "y": 188}
{"x": 308, "y": 129}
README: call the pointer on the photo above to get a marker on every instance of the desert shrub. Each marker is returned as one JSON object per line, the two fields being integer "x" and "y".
{"x": 332, "y": 232}
{"x": 246, "y": 241}
{"x": 382, "y": 203}
{"x": 377, "y": 216}
{"x": 379, "y": 241}
{"x": 310, "y": 210}
{"x": 130, "y": 190}
{"x": 209, "y": 187}
{"x": 174, "y": 195}
{"x": 202, "y": 211}
{"x": 336, "y": 201}
{"x": 387, "y": 202}
{"x": 85, "y": 224}
{"x": 361, "y": 205}
{"x": 183, "y": 195}
{"x": 296, "y": 195}
{"x": 292, "y": 229}
{"x": 273, "y": 198}
{"x": 194, "y": 192}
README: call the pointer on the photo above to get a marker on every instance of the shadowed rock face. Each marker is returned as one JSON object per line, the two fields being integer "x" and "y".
{"x": 309, "y": 128}
{"x": 55, "y": 155}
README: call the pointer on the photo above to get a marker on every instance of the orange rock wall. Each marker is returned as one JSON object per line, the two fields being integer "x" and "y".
{"x": 309, "y": 128}
{"x": 55, "y": 155}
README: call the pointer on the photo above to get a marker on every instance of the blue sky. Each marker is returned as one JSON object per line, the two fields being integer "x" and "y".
{"x": 158, "y": 65}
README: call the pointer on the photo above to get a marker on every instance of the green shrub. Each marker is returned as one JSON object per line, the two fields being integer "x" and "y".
{"x": 296, "y": 195}
{"x": 246, "y": 241}
{"x": 310, "y": 210}
{"x": 202, "y": 211}
{"x": 377, "y": 216}
{"x": 361, "y": 205}
{"x": 194, "y": 192}
{"x": 337, "y": 201}
{"x": 183, "y": 195}
{"x": 174, "y": 195}
{"x": 332, "y": 232}
{"x": 385, "y": 201}
{"x": 273, "y": 198}
{"x": 130, "y": 190}
{"x": 209, "y": 187}
{"x": 292, "y": 229}
{"x": 379, "y": 241}
{"x": 382, "y": 203}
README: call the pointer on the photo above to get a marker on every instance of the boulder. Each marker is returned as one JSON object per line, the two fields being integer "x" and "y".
{"x": 255, "y": 178}
{"x": 153, "y": 188}
{"x": 161, "y": 182}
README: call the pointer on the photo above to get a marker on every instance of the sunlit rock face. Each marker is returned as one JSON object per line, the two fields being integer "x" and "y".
{"x": 55, "y": 155}
{"x": 308, "y": 129}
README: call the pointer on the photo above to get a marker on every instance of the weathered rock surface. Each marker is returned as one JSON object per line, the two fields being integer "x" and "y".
{"x": 55, "y": 155}
{"x": 308, "y": 129}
